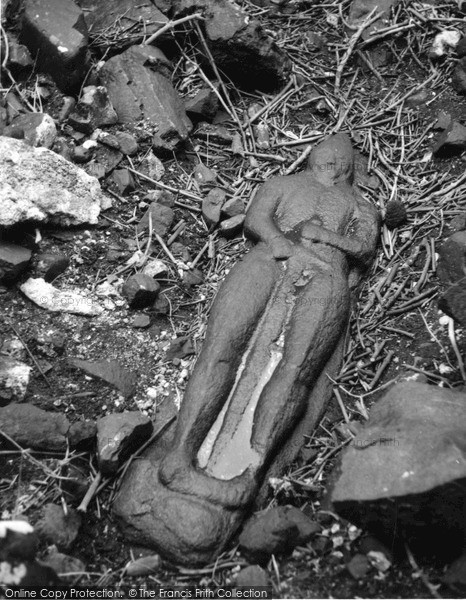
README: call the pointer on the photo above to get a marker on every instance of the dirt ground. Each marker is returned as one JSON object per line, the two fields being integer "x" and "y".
{"x": 395, "y": 328}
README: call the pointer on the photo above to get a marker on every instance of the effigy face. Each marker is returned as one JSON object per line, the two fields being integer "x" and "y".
{"x": 275, "y": 334}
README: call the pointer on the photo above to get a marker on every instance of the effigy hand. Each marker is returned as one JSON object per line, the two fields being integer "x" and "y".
{"x": 281, "y": 248}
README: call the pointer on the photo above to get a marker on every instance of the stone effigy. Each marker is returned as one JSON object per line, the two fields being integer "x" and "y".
{"x": 276, "y": 332}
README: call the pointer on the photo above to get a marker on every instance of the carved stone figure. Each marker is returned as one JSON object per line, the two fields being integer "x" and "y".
{"x": 275, "y": 333}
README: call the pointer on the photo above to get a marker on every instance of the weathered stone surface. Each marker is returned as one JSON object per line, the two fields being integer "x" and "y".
{"x": 263, "y": 376}
{"x": 51, "y": 298}
{"x": 115, "y": 16}
{"x": 180, "y": 347}
{"x": 37, "y": 184}
{"x": 50, "y": 265}
{"x": 37, "y": 129}
{"x": 252, "y": 576}
{"x": 31, "y": 427}
{"x": 14, "y": 380}
{"x": 233, "y": 207}
{"x": 452, "y": 141}
{"x": 58, "y": 527}
{"x": 160, "y": 216}
{"x": 212, "y": 205}
{"x": 110, "y": 371}
{"x": 217, "y": 134}
{"x": 358, "y": 566}
{"x": 14, "y": 260}
{"x": 140, "y": 290}
{"x": 139, "y": 92}
{"x": 118, "y": 435}
{"x": 19, "y": 57}
{"x": 152, "y": 166}
{"x": 127, "y": 142}
{"x": 459, "y": 76}
{"x": 360, "y": 10}
{"x": 93, "y": 110}
{"x": 155, "y": 268}
{"x": 203, "y": 105}
{"x": 276, "y": 531}
{"x": 451, "y": 269}
{"x": 62, "y": 563}
{"x": 56, "y": 35}
{"x": 203, "y": 175}
{"x": 232, "y": 226}
{"x": 405, "y": 472}
{"x": 123, "y": 181}
{"x": 81, "y": 434}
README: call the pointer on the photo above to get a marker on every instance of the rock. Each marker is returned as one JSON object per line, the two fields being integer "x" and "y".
{"x": 66, "y": 109}
{"x": 252, "y": 576}
{"x": 203, "y": 105}
{"x": 451, "y": 265}
{"x": 403, "y": 475}
{"x": 203, "y": 175}
{"x": 81, "y": 434}
{"x": 139, "y": 92}
{"x": 14, "y": 260}
{"x": 230, "y": 227}
{"x": 461, "y": 47}
{"x": 212, "y": 205}
{"x": 395, "y": 214}
{"x": 371, "y": 545}
{"x": 448, "y": 38}
{"x": 444, "y": 121}
{"x": 314, "y": 42}
{"x": 118, "y": 435}
{"x": 141, "y": 322}
{"x": 49, "y": 297}
{"x": 36, "y": 129}
{"x": 19, "y": 57}
{"x": 146, "y": 565}
{"x": 55, "y": 33}
{"x": 113, "y": 17}
{"x": 37, "y": 184}
{"x": 360, "y": 10}
{"x": 58, "y": 527}
{"x": 459, "y": 76}
{"x": 110, "y": 371}
{"x": 14, "y": 380}
{"x": 31, "y": 427}
{"x": 50, "y": 265}
{"x": 217, "y": 134}
{"x": 180, "y": 348}
{"x": 193, "y": 277}
{"x": 62, "y": 563}
{"x": 152, "y": 167}
{"x": 105, "y": 160}
{"x": 451, "y": 142}
{"x": 140, "y": 290}
{"x": 455, "y": 576}
{"x": 161, "y": 217}
{"x": 358, "y": 566}
{"x": 127, "y": 142}
{"x": 93, "y": 110}
{"x": 82, "y": 154}
{"x": 233, "y": 207}
{"x": 453, "y": 303}
{"x": 155, "y": 268}
{"x": 276, "y": 531}
{"x": 124, "y": 181}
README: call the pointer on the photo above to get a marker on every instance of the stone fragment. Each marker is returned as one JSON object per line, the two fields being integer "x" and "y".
{"x": 81, "y": 434}
{"x": 140, "y": 290}
{"x": 180, "y": 348}
{"x": 37, "y": 184}
{"x": 276, "y": 531}
{"x": 444, "y": 121}
{"x": 62, "y": 563}
{"x": 50, "y": 265}
{"x": 230, "y": 227}
{"x": 193, "y": 277}
{"x": 212, "y": 205}
{"x": 141, "y": 322}
{"x": 37, "y": 129}
{"x": 51, "y": 298}
{"x": 160, "y": 216}
{"x": 127, "y": 142}
{"x": 118, "y": 435}
{"x": 314, "y": 42}
{"x": 31, "y": 427}
{"x": 57, "y": 527}
{"x": 14, "y": 260}
{"x": 82, "y": 154}
{"x": 360, "y": 10}
{"x": 203, "y": 105}
{"x": 66, "y": 109}
{"x": 358, "y": 566}
{"x": 459, "y": 76}
{"x": 124, "y": 181}
{"x": 451, "y": 266}
{"x": 448, "y": 38}
{"x": 203, "y": 175}
{"x": 152, "y": 167}
{"x": 217, "y": 134}
{"x": 146, "y": 565}
{"x": 56, "y": 35}
{"x": 453, "y": 302}
{"x": 461, "y": 47}
{"x": 105, "y": 160}
{"x": 113, "y": 17}
{"x": 110, "y": 371}
{"x": 14, "y": 380}
{"x": 19, "y": 57}
{"x": 233, "y": 207}
{"x": 455, "y": 576}
{"x": 155, "y": 268}
{"x": 252, "y": 576}
{"x": 404, "y": 473}
{"x": 395, "y": 214}
{"x": 139, "y": 92}
{"x": 451, "y": 142}
{"x": 93, "y": 110}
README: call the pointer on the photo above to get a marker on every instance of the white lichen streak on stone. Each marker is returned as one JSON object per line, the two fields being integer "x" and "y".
{"x": 11, "y": 575}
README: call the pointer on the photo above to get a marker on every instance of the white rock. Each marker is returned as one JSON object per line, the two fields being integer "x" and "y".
{"x": 155, "y": 268}
{"x": 49, "y": 297}
{"x": 14, "y": 379}
{"x": 37, "y": 184}
{"x": 444, "y": 39}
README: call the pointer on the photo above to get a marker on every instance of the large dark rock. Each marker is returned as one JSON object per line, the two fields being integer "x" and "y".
{"x": 56, "y": 35}
{"x": 139, "y": 91}
{"x": 404, "y": 475}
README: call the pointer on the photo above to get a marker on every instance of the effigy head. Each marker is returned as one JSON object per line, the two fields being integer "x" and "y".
{"x": 332, "y": 161}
